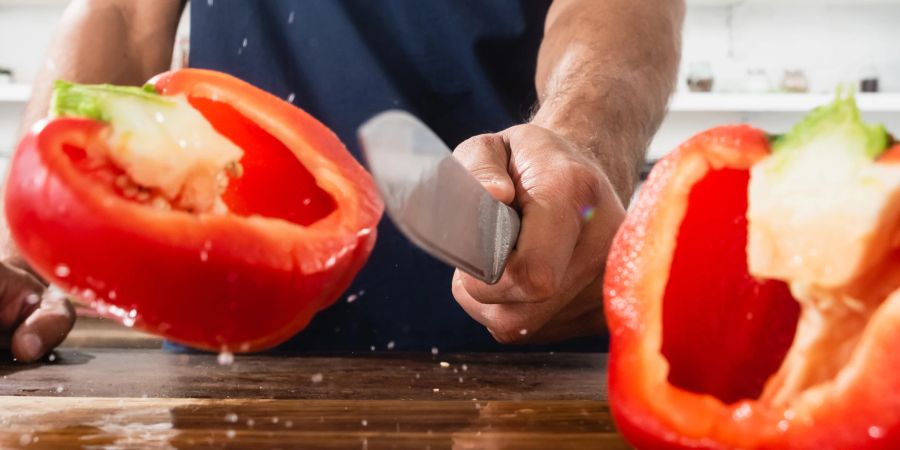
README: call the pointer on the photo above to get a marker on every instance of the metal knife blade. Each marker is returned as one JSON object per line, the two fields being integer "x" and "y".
{"x": 434, "y": 200}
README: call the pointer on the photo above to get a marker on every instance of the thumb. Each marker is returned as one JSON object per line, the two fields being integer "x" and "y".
{"x": 487, "y": 158}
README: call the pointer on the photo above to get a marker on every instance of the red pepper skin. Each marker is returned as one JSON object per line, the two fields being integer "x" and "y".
{"x": 236, "y": 281}
{"x": 694, "y": 337}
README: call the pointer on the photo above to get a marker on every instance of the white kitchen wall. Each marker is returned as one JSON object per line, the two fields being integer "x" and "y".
{"x": 26, "y": 28}
{"x": 830, "y": 40}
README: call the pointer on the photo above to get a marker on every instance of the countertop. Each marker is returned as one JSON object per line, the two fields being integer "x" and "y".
{"x": 112, "y": 388}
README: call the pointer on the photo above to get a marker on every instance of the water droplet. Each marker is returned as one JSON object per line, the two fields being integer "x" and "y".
{"x": 876, "y": 432}
{"x": 112, "y": 295}
{"x": 251, "y": 423}
{"x": 390, "y": 345}
{"x": 275, "y": 420}
{"x": 52, "y": 357}
{"x": 204, "y": 255}
{"x": 231, "y": 418}
{"x": 62, "y": 270}
{"x": 317, "y": 378}
{"x": 230, "y": 433}
{"x": 290, "y": 99}
{"x": 244, "y": 42}
{"x": 418, "y": 376}
{"x": 288, "y": 423}
{"x": 742, "y": 412}
{"x": 523, "y": 331}
{"x": 25, "y": 439}
{"x": 307, "y": 201}
{"x": 460, "y": 379}
{"x": 226, "y": 358}
{"x": 445, "y": 364}
{"x": 372, "y": 348}
{"x": 434, "y": 350}
{"x": 351, "y": 298}
{"x": 32, "y": 299}
{"x": 364, "y": 422}
{"x": 160, "y": 118}
{"x": 783, "y": 425}
{"x": 59, "y": 389}
{"x": 209, "y": 2}
{"x": 182, "y": 143}
{"x": 291, "y": 17}
{"x": 436, "y": 390}
{"x": 465, "y": 367}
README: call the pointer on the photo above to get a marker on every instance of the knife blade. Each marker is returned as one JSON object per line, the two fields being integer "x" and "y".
{"x": 435, "y": 201}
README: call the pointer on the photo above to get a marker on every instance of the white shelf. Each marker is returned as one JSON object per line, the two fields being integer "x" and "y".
{"x": 14, "y": 93}
{"x": 723, "y": 3}
{"x": 33, "y": 3}
{"x": 757, "y": 103}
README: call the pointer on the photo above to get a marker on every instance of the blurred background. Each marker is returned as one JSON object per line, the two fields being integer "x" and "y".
{"x": 763, "y": 62}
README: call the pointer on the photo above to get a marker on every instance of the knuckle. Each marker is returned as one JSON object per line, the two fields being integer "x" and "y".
{"x": 537, "y": 280}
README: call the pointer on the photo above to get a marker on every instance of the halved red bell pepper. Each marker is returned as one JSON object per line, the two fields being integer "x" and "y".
{"x": 705, "y": 355}
{"x": 300, "y": 222}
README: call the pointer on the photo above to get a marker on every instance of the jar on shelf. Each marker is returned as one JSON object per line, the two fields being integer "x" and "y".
{"x": 700, "y": 77}
{"x": 794, "y": 80}
{"x": 868, "y": 79}
{"x": 6, "y": 76}
{"x": 757, "y": 82}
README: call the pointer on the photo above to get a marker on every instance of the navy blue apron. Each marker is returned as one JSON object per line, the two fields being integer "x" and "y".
{"x": 465, "y": 67}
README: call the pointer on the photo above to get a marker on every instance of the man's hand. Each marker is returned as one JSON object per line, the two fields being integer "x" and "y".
{"x": 552, "y": 286}
{"x": 32, "y": 321}
{"x": 604, "y": 74}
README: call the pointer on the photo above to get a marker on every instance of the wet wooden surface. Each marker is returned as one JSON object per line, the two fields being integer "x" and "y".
{"x": 136, "y": 397}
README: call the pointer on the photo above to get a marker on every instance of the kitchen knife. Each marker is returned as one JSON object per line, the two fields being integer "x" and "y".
{"x": 434, "y": 200}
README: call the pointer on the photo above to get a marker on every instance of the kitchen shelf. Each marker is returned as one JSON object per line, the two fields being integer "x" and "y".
{"x": 760, "y": 103}
{"x": 14, "y": 93}
{"x": 4, "y": 3}
{"x": 724, "y": 3}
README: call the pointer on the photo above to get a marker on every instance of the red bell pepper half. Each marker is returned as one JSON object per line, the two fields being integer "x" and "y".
{"x": 199, "y": 208}
{"x": 752, "y": 292}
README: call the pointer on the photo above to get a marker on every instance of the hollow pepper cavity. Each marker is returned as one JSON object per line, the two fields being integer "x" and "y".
{"x": 752, "y": 292}
{"x": 199, "y": 208}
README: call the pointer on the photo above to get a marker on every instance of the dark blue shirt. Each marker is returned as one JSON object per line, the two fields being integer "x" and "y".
{"x": 465, "y": 67}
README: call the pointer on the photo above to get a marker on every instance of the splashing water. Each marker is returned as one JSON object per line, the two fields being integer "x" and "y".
{"x": 32, "y": 299}
{"x": 317, "y": 378}
{"x": 62, "y": 270}
{"x": 231, "y": 418}
{"x": 434, "y": 351}
{"x": 226, "y": 358}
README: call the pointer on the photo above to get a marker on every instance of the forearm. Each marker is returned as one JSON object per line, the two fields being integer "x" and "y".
{"x": 106, "y": 41}
{"x": 605, "y": 71}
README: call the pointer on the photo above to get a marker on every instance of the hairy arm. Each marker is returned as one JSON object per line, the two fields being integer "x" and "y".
{"x": 107, "y": 41}
{"x": 605, "y": 71}
{"x": 99, "y": 41}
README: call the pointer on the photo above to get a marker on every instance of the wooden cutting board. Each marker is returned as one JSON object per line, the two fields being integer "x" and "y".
{"x": 143, "y": 397}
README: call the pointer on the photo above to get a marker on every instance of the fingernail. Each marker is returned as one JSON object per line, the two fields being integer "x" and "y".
{"x": 31, "y": 346}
